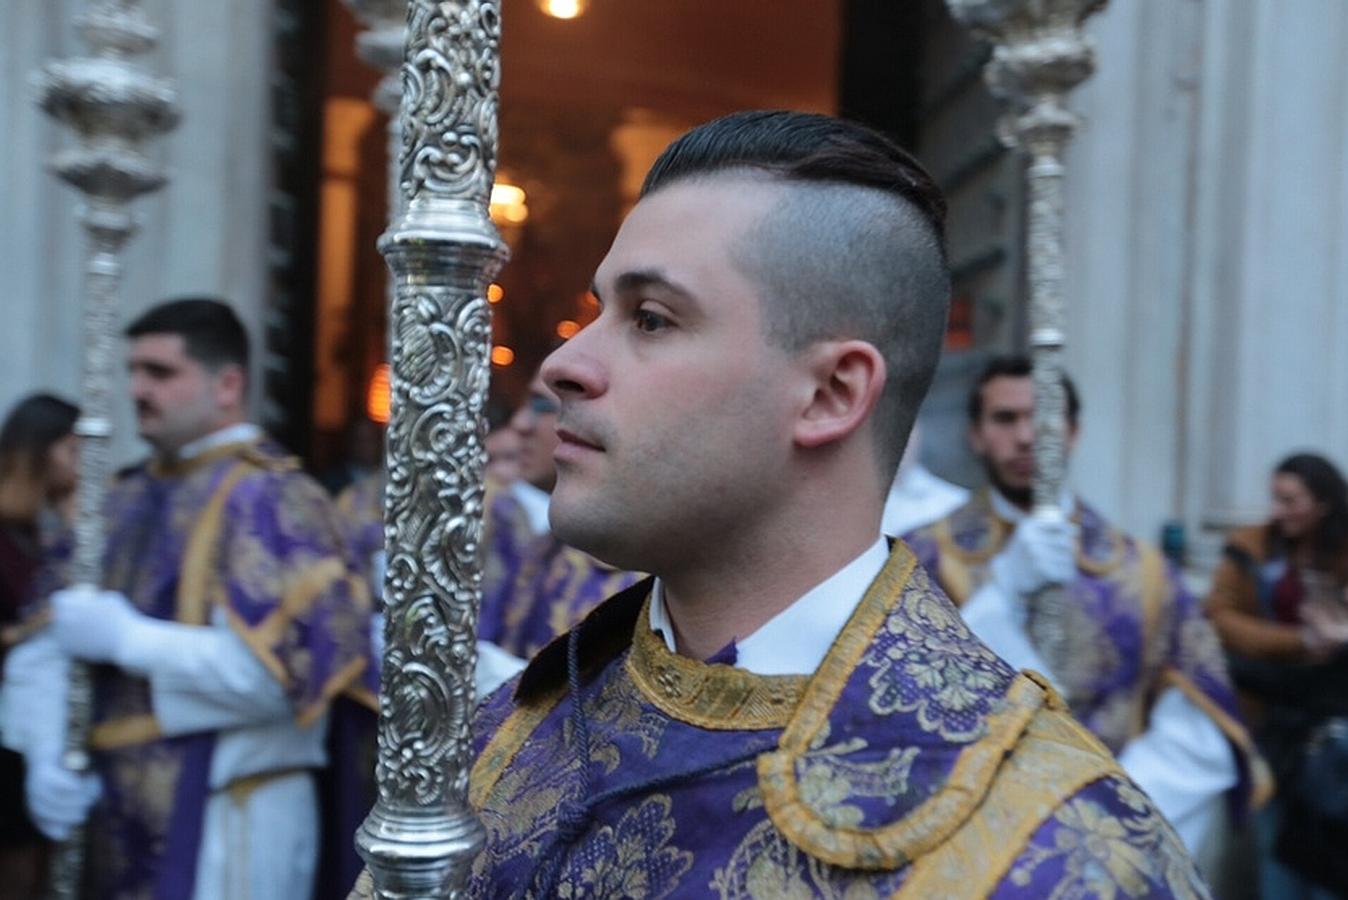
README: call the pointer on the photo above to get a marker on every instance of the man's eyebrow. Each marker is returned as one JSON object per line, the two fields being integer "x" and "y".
{"x": 646, "y": 278}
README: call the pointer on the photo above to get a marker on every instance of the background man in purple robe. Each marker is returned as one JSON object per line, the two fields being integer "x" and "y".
{"x": 1143, "y": 668}
{"x": 790, "y": 707}
{"x": 228, "y": 621}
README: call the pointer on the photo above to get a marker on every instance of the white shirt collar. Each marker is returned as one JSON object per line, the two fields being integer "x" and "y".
{"x": 535, "y": 502}
{"x": 1010, "y": 512}
{"x": 241, "y": 433}
{"x": 796, "y": 640}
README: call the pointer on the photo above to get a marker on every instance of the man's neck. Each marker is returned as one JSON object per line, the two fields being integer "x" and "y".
{"x": 711, "y": 605}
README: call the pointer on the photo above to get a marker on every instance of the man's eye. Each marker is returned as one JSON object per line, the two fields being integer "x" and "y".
{"x": 648, "y": 321}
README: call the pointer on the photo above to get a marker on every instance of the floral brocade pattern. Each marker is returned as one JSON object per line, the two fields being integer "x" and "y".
{"x": 926, "y": 662}
{"x": 1132, "y": 623}
{"x": 1108, "y": 842}
{"x": 685, "y": 811}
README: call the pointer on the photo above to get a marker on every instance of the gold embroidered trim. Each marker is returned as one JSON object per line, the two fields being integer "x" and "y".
{"x": 240, "y": 789}
{"x": 335, "y": 685}
{"x": 1262, "y": 787}
{"x": 127, "y": 731}
{"x": 926, "y": 827}
{"x": 821, "y": 695}
{"x": 500, "y": 751}
{"x": 196, "y": 577}
{"x": 716, "y": 697}
{"x": 1054, "y": 760}
{"x": 260, "y": 648}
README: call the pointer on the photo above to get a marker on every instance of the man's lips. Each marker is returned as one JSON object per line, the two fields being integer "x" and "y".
{"x": 571, "y": 445}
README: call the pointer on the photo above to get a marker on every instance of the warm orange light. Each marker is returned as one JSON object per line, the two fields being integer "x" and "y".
{"x": 563, "y": 9}
{"x": 589, "y": 299}
{"x": 509, "y": 203}
{"x": 502, "y": 356}
{"x": 566, "y": 329}
{"x": 379, "y": 398}
{"x": 495, "y": 293}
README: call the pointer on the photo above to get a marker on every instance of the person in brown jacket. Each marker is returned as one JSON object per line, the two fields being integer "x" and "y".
{"x": 1279, "y": 602}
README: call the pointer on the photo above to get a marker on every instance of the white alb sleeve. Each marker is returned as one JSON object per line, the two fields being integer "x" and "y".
{"x": 1184, "y": 763}
{"x": 33, "y": 705}
{"x": 204, "y": 678}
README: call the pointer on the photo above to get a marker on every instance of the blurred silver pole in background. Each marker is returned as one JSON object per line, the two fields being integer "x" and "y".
{"x": 1040, "y": 52}
{"x": 114, "y": 105}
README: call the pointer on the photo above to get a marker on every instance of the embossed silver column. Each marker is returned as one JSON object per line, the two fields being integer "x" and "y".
{"x": 114, "y": 105}
{"x": 1040, "y": 53}
{"x": 421, "y": 837}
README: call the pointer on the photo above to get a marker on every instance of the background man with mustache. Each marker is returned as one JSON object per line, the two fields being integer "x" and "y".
{"x": 1143, "y": 668}
{"x": 228, "y": 622}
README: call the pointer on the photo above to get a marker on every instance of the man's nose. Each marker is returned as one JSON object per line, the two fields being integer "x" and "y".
{"x": 576, "y": 369}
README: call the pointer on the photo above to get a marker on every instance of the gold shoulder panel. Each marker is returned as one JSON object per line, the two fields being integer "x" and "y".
{"x": 1054, "y": 759}
{"x": 926, "y": 827}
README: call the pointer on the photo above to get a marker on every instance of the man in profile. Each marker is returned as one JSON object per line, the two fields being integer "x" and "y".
{"x": 789, "y": 707}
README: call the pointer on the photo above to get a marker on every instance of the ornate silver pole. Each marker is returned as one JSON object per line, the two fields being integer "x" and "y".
{"x": 114, "y": 105}
{"x": 421, "y": 837}
{"x": 1040, "y": 53}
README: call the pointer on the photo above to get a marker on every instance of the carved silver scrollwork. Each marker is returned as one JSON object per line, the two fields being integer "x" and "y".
{"x": 443, "y": 250}
{"x": 1040, "y": 53}
{"x": 114, "y": 106}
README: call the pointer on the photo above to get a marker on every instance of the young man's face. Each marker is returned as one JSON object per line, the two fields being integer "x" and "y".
{"x": 676, "y": 414}
{"x": 177, "y": 398}
{"x": 1003, "y": 436}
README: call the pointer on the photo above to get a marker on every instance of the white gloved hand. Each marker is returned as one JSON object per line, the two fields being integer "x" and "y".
{"x": 102, "y": 626}
{"x": 58, "y": 799}
{"x": 1041, "y": 552}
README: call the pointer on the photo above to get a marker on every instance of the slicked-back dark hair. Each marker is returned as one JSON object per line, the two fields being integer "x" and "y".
{"x": 212, "y": 334}
{"x": 1018, "y": 365}
{"x": 855, "y": 248}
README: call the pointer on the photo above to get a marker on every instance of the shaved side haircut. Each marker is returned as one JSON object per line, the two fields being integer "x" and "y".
{"x": 854, "y": 249}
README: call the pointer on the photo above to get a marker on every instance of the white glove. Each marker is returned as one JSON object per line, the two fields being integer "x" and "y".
{"x": 103, "y": 626}
{"x": 1041, "y": 552}
{"x": 58, "y": 799}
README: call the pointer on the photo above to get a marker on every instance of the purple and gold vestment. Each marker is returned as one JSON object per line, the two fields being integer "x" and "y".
{"x": 237, "y": 534}
{"x": 1135, "y": 630}
{"x": 913, "y": 762}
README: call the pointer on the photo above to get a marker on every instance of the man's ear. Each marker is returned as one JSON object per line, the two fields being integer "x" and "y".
{"x": 848, "y": 378}
{"x": 231, "y": 387}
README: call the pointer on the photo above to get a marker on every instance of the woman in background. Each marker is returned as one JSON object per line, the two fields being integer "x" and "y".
{"x": 1279, "y": 604}
{"x": 38, "y": 468}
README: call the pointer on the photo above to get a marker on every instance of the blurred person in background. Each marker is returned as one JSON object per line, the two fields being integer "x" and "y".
{"x": 917, "y": 497}
{"x": 1278, "y": 602}
{"x": 535, "y": 587}
{"x": 38, "y": 470}
{"x": 226, "y": 622}
{"x": 1139, "y": 664}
